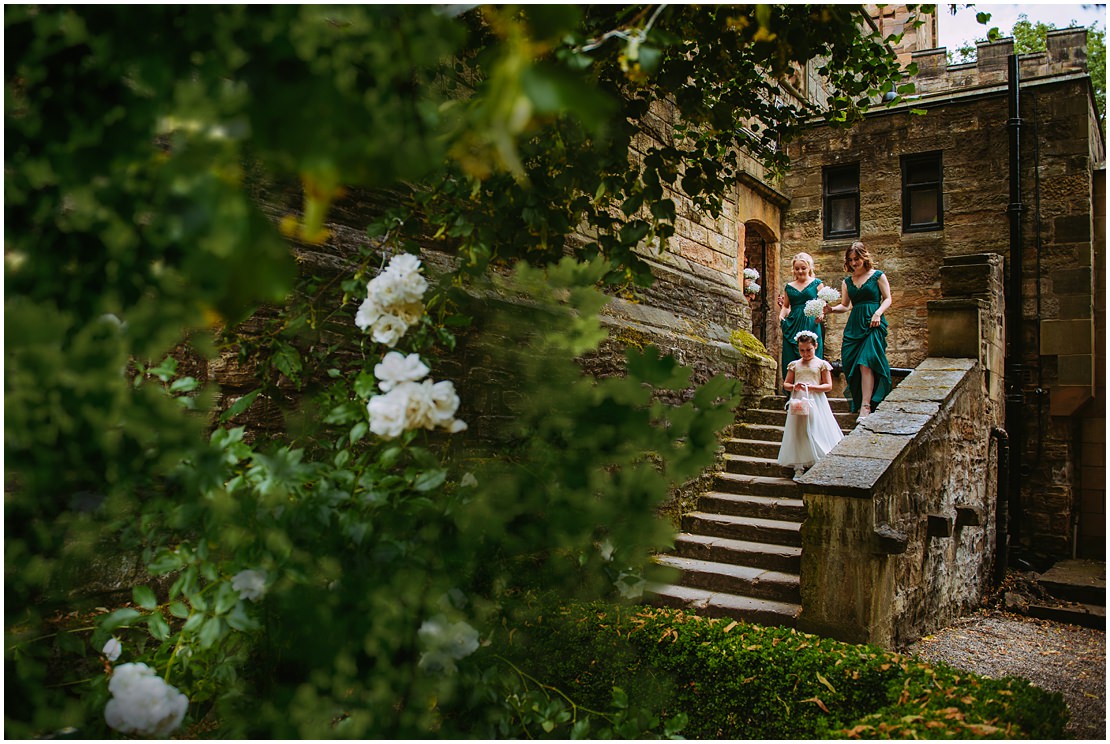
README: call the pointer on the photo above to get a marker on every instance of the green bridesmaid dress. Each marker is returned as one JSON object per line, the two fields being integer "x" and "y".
{"x": 798, "y": 321}
{"x": 864, "y": 345}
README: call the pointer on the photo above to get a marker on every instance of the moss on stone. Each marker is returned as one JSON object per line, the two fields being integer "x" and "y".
{"x": 748, "y": 344}
{"x": 631, "y": 338}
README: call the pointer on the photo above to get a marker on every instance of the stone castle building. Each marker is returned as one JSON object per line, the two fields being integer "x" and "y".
{"x": 931, "y": 179}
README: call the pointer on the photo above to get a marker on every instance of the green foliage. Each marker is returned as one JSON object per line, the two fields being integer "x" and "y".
{"x": 586, "y": 87}
{"x": 325, "y": 581}
{"x": 737, "y": 681}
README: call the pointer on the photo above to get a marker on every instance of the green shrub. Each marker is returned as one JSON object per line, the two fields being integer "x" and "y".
{"x": 735, "y": 680}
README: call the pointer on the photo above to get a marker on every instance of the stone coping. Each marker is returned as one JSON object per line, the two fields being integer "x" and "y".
{"x": 860, "y": 460}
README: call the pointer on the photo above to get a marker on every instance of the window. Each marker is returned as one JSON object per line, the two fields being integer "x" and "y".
{"x": 842, "y": 201}
{"x": 922, "y": 191}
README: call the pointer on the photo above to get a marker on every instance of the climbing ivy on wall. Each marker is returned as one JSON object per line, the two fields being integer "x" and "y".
{"x": 346, "y": 579}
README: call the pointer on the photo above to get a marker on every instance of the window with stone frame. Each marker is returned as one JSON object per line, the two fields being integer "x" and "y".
{"x": 841, "y": 201}
{"x": 922, "y": 192}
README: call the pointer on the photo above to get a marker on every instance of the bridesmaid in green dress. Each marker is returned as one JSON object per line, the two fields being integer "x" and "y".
{"x": 866, "y": 293}
{"x": 792, "y": 303}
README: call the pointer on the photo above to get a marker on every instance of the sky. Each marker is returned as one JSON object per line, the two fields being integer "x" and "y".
{"x": 955, "y": 31}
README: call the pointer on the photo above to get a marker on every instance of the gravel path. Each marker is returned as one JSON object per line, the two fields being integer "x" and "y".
{"x": 1068, "y": 659}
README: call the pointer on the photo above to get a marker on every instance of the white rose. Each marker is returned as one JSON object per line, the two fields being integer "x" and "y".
{"x": 396, "y": 368}
{"x": 250, "y": 584}
{"x": 446, "y": 642}
{"x": 385, "y": 289}
{"x": 112, "y": 649}
{"x": 411, "y": 287}
{"x": 419, "y": 404}
{"x": 387, "y": 413}
{"x": 403, "y": 263}
{"x": 388, "y": 330}
{"x": 368, "y": 313}
{"x": 143, "y": 703}
{"x": 444, "y": 403}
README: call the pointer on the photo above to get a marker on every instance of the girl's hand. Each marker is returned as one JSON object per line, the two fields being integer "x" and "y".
{"x": 875, "y": 320}
{"x": 820, "y": 318}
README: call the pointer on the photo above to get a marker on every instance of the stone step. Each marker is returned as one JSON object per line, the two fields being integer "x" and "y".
{"x": 778, "y": 402}
{"x": 771, "y": 531}
{"x": 718, "y": 604}
{"x": 765, "y": 466}
{"x": 750, "y": 505}
{"x": 780, "y": 486}
{"x": 1077, "y": 580}
{"x": 759, "y": 432}
{"x": 753, "y": 447}
{"x": 785, "y": 558}
{"x": 773, "y": 417}
{"x": 747, "y": 581}
{"x": 1085, "y": 615}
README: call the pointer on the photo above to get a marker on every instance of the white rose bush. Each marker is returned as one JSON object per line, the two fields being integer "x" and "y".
{"x": 360, "y": 578}
{"x": 142, "y": 703}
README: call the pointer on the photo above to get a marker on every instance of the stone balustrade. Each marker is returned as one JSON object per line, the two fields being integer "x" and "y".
{"x": 900, "y": 534}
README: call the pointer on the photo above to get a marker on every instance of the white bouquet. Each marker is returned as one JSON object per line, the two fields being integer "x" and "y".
{"x": 829, "y": 295}
{"x": 814, "y": 308}
{"x": 752, "y": 274}
{"x": 751, "y": 288}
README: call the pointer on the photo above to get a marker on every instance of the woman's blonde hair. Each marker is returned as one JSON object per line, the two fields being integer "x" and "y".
{"x": 857, "y": 249}
{"x": 808, "y": 259}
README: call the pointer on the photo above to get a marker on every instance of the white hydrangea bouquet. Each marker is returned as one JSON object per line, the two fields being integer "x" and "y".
{"x": 825, "y": 296}
{"x": 751, "y": 276}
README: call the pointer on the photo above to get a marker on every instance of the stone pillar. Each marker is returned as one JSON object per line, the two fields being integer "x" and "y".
{"x": 969, "y": 322}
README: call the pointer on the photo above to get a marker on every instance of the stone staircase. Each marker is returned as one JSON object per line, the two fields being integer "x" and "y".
{"x": 739, "y": 555}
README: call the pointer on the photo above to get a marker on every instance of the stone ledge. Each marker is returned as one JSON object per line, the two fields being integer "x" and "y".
{"x": 859, "y": 461}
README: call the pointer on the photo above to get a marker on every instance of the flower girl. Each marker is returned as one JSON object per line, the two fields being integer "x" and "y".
{"x": 811, "y": 429}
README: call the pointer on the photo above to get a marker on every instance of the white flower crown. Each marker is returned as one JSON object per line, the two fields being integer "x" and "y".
{"x": 805, "y": 334}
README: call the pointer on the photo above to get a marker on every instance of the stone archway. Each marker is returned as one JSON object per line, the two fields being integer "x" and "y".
{"x": 761, "y": 252}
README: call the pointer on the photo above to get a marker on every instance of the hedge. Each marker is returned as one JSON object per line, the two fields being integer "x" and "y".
{"x": 739, "y": 681}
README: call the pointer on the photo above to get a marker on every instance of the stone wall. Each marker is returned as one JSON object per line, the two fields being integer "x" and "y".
{"x": 965, "y": 119}
{"x": 1091, "y": 528}
{"x": 894, "y": 546}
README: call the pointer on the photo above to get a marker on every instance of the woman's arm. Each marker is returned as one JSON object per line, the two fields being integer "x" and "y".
{"x": 884, "y": 289}
{"x": 845, "y": 303}
{"x": 784, "y": 306}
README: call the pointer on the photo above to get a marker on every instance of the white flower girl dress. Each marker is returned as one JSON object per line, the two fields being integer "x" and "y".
{"x": 808, "y": 438}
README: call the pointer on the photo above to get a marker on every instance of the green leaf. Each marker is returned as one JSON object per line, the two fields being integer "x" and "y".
{"x": 358, "y": 431}
{"x": 241, "y": 620}
{"x": 192, "y": 623}
{"x": 119, "y": 619}
{"x": 179, "y": 610}
{"x": 144, "y": 597}
{"x": 211, "y": 631}
{"x": 430, "y": 480}
{"x": 366, "y": 385}
{"x": 184, "y": 385}
{"x": 239, "y": 406}
{"x": 226, "y": 598}
{"x": 288, "y": 361}
{"x": 165, "y": 562}
{"x": 159, "y": 628}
